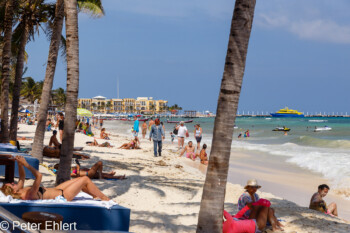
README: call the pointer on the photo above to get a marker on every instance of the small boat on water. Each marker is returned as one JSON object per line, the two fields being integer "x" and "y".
{"x": 319, "y": 129}
{"x": 281, "y": 129}
{"x": 189, "y": 121}
{"x": 286, "y": 112}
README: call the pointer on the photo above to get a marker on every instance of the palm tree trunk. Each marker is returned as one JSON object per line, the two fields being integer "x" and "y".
{"x": 212, "y": 204}
{"x": 37, "y": 150}
{"x": 18, "y": 81}
{"x": 71, "y": 13}
{"x": 6, "y": 63}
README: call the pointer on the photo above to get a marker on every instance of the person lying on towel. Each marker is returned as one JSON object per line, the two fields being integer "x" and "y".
{"x": 52, "y": 152}
{"x": 95, "y": 172}
{"x": 68, "y": 189}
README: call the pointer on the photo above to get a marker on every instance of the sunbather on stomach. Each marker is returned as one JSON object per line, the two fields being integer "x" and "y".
{"x": 95, "y": 172}
{"x": 68, "y": 189}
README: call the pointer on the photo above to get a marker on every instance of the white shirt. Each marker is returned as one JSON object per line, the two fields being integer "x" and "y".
{"x": 182, "y": 131}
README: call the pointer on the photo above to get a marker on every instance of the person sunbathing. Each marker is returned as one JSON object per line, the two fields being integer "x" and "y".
{"x": 103, "y": 134}
{"x": 189, "y": 149}
{"x": 248, "y": 198}
{"x": 23, "y": 138}
{"x": 52, "y": 152}
{"x": 95, "y": 172}
{"x": 95, "y": 143}
{"x": 317, "y": 202}
{"x": 68, "y": 189}
{"x": 203, "y": 155}
{"x": 131, "y": 145}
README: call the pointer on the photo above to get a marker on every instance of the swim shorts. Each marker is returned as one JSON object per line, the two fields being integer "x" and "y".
{"x": 198, "y": 139}
{"x": 135, "y": 134}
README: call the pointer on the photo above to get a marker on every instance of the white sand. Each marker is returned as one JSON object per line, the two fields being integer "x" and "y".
{"x": 165, "y": 196}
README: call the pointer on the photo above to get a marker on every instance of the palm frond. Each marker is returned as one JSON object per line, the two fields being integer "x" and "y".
{"x": 92, "y": 7}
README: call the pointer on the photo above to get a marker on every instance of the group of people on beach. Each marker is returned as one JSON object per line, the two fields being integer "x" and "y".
{"x": 255, "y": 214}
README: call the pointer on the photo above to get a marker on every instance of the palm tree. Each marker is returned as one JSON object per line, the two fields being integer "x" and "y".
{"x": 5, "y": 70}
{"x": 72, "y": 90}
{"x": 95, "y": 8}
{"x": 33, "y": 14}
{"x": 212, "y": 204}
{"x": 31, "y": 89}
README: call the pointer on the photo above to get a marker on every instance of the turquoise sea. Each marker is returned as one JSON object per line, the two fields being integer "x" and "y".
{"x": 326, "y": 152}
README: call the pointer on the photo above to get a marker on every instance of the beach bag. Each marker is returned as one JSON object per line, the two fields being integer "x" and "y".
{"x": 187, "y": 134}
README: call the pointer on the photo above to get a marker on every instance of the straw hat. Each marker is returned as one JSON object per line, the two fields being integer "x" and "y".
{"x": 252, "y": 183}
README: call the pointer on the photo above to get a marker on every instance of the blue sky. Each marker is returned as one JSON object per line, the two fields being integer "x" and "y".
{"x": 298, "y": 54}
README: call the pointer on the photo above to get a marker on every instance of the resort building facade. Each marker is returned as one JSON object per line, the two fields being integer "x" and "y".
{"x": 143, "y": 105}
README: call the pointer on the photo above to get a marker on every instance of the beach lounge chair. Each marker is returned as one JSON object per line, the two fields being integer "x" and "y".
{"x": 88, "y": 214}
{"x": 32, "y": 161}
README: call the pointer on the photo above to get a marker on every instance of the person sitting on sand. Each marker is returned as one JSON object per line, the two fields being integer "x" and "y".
{"x": 131, "y": 145}
{"x": 54, "y": 141}
{"x": 249, "y": 197}
{"x": 103, "y": 134}
{"x": 317, "y": 202}
{"x": 68, "y": 189}
{"x": 95, "y": 172}
{"x": 203, "y": 155}
{"x": 95, "y": 143}
{"x": 189, "y": 149}
{"x": 52, "y": 152}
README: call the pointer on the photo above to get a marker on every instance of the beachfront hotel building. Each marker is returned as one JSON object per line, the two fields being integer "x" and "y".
{"x": 144, "y": 105}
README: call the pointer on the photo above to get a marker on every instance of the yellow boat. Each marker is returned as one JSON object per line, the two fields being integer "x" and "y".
{"x": 286, "y": 112}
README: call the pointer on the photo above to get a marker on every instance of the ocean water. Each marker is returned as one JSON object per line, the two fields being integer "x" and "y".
{"x": 327, "y": 152}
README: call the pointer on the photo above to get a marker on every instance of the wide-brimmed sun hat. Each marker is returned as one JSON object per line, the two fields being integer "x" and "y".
{"x": 252, "y": 183}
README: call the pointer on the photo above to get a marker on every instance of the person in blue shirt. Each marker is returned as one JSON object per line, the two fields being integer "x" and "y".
{"x": 157, "y": 134}
{"x": 136, "y": 129}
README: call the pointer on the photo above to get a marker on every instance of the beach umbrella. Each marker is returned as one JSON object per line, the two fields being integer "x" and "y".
{"x": 24, "y": 111}
{"x": 84, "y": 112}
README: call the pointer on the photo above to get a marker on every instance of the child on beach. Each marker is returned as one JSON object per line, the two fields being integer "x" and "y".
{"x": 189, "y": 149}
{"x": 172, "y": 137}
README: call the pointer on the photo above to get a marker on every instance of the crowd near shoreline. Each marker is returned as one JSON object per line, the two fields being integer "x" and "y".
{"x": 162, "y": 189}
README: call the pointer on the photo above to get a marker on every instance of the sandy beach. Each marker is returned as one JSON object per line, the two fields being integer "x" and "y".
{"x": 164, "y": 193}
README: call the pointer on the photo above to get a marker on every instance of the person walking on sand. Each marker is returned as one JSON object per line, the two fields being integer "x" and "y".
{"x": 150, "y": 123}
{"x": 317, "y": 202}
{"x": 181, "y": 134}
{"x": 157, "y": 134}
{"x": 198, "y": 135}
{"x": 144, "y": 129}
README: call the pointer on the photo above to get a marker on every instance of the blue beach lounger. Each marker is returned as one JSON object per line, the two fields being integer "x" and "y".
{"x": 86, "y": 217}
{"x": 32, "y": 161}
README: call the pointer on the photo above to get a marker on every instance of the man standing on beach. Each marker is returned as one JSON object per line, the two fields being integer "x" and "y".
{"x": 317, "y": 202}
{"x": 157, "y": 133}
{"x": 101, "y": 123}
{"x": 60, "y": 125}
{"x": 136, "y": 128}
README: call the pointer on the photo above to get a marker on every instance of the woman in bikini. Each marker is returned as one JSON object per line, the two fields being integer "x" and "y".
{"x": 68, "y": 189}
{"x": 95, "y": 172}
{"x": 131, "y": 145}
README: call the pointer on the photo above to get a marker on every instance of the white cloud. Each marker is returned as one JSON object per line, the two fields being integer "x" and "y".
{"x": 310, "y": 29}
